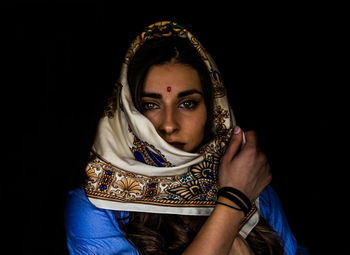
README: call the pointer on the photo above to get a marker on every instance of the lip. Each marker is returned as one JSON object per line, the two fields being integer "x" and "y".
{"x": 178, "y": 145}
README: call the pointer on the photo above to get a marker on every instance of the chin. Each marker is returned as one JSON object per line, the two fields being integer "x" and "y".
{"x": 192, "y": 149}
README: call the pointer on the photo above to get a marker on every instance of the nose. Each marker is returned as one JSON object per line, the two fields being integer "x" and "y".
{"x": 169, "y": 123}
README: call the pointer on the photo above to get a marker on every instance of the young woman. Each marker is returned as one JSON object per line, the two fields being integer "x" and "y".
{"x": 170, "y": 172}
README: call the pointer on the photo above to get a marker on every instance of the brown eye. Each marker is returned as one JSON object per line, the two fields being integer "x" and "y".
{"x": 148, "y": 106}
{"x": 189, "y": 104}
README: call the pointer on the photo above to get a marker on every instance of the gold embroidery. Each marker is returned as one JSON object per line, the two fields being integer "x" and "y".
{"x": 220, "y": 117}
{"x": 197, "y": 187}
{"x": 92, "y": 176}
{"x": 147, "y": 153}
{"x": 127, "y": 188}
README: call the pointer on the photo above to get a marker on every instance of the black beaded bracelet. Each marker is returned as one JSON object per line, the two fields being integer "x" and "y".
{"x": 236, "y": 197}
{"x": 238, "y": 193}
{"x": 221, "y": 203}
{"x": 236, "y": 201}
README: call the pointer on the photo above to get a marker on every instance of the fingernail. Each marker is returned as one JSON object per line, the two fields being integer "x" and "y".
{"x": 237, "y": 130}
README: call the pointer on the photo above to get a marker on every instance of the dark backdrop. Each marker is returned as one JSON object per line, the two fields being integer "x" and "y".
{"x": 280, "y": 67}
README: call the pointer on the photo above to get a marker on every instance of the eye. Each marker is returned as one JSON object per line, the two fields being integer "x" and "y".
{"x": 148, "y": 106}
{"x": 188, "y": 104}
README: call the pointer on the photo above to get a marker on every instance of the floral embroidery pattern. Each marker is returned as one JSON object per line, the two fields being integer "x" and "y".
{"x": 197, "y": 187}
{"x": 127, "y": 188}
{"x": 90, "y": 173}
{"x": 220, "y": 116}
{"x": 203, "y": 170}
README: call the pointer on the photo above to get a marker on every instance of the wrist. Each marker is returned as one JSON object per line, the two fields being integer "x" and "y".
{"x": 237, "y": 197}
{"x": 230, "y": 207}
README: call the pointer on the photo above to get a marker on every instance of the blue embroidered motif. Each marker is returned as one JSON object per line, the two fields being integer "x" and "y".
{"x": 148, "y": 154}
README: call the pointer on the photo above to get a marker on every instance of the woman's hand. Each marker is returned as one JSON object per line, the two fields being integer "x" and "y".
{"x": 247, "y": 170}
{"x": 244, "y": 168}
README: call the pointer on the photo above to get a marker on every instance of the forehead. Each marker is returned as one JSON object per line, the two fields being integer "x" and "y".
{"x": 177, "y": 76}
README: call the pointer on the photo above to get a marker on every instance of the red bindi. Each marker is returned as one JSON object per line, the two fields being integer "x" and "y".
{"x": 168, "y": 89}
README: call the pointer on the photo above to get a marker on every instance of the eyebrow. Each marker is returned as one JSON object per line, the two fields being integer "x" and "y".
{"x": 152, "y": 95}
{"x": 189, "y": 92}
{"x": 180, "y": 95}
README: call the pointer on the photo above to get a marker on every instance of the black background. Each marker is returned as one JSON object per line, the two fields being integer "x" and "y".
{"x": 281, "y": 66}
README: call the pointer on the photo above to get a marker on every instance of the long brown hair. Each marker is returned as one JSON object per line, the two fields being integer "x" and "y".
{"x": 171, "y": 234}
{"x": 165, "y": 234}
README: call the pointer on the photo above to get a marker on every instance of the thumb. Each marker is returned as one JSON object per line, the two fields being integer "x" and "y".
{"x": 235, "y": 143}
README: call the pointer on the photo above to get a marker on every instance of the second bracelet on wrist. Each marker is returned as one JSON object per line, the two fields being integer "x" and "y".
{"x": 237, "y": 197}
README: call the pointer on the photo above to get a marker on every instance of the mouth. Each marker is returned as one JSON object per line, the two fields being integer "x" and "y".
{"x": 178, "y": 145}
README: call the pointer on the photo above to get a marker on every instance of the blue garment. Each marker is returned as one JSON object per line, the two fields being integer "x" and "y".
{"x": 91, "y": 230}
{"x": 271, "y": 210}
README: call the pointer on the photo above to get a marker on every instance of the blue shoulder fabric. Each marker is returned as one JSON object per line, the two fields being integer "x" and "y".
{"x": 91, "y": 230}
{"x": 271, "y": 210}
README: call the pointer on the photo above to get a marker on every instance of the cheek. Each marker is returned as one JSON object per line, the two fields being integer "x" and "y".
{"x": 152, "y": 117}
{"x": 197, "y": 125}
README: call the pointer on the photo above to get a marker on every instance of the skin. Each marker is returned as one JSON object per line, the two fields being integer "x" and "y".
{"x": 178, "y": 119}
{"x": 179, "y": 116}
{"x": 246, "y": 168}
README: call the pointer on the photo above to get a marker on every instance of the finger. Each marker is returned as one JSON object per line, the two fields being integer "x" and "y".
{"x": 235, "y": 143}
{"x": 251, "y": 138}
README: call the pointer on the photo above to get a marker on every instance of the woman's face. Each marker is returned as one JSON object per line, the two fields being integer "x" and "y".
{"x": 172, "y": 99}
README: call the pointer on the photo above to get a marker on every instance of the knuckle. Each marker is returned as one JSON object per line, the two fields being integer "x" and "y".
{"x": 224, "y": 160}
{"x": 263, "y": 158}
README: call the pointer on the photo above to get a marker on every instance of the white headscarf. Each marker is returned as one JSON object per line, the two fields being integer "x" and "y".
{"x": 133, "y": 169}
